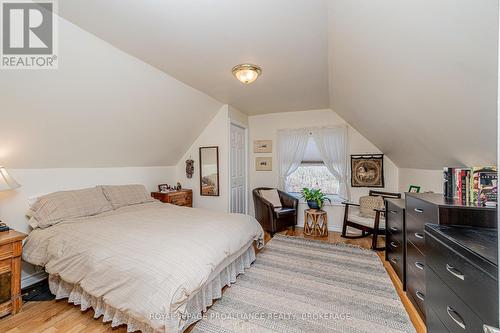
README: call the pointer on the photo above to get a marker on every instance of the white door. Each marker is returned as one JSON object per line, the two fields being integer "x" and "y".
{"x": 238, "y": 169}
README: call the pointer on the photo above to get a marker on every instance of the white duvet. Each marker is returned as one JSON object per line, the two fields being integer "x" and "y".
{"x": 143, "y": 260}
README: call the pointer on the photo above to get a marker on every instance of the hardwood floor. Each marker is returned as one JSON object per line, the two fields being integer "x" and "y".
{"x": 60, "y": 316}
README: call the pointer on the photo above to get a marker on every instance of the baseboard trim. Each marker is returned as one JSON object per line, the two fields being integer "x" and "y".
{"x": 32, "y": 279}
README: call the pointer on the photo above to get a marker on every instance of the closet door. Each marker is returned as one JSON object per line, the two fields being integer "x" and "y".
{"x": 238, "y": 169}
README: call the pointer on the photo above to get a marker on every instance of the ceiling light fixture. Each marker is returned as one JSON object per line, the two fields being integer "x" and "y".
{"x": 246, "y": 73}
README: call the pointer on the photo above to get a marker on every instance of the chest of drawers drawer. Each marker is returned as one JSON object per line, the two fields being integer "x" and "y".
{"x": 473, "y": 285}
{"x": 415, "y": 273}
{"x": 179, "y": 198}
{"x": 449, "y": 308}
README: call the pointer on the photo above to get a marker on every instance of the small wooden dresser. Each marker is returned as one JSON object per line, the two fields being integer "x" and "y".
{"x": 182, "y": 197}
{"x": 11, "y": 248}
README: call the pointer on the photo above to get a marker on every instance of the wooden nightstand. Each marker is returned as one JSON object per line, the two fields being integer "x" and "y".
{"x": 180, "y": 198}
{"x": 11, "y": 248}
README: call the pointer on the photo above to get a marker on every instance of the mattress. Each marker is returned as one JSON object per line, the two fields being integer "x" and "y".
{"x": 150, "y": 266}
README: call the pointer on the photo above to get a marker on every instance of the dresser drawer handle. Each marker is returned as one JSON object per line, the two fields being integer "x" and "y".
{"x": 393, "y": 228}
{"x": 393, "y": 212}
{"x": 419, "y": 265}
{"x": 394, "y": 261}
{"x": 455, "y": 272}
{"x": 419, "y": 235}
{"x": 418, "y": 210}
{"x": 455, "y": 317}
{"x": 394, "y": 244}
{"x": 420, "y": 296}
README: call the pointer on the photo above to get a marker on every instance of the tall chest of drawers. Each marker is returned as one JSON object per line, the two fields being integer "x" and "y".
{"x": 395, "y": 237}
{"x": 461, "y": 278}
{"x": 433, "y": 208}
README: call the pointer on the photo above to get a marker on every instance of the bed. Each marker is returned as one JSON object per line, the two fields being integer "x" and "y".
{"x": 152, "y": 266}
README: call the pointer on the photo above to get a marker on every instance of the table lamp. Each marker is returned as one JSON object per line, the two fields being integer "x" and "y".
{"x": 6, "y": 183}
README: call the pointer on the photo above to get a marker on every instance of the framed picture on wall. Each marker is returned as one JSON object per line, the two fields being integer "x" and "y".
{"x": 263, "y": 164}
{"x": 414, "y": 189}
{"x": 367, "y": 170}
{"x": 263, "y": 146}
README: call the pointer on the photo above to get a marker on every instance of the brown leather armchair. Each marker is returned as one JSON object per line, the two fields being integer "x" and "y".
{"x": 275, "y": 219}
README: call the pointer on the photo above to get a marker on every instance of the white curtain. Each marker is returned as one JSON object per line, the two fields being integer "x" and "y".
{"x": 332, "y": 145}
{"x": 291, "y": 148}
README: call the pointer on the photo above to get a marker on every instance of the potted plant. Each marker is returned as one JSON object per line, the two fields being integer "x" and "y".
{"x": 314, "y": 197}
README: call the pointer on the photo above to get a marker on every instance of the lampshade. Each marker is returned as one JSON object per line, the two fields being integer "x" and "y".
{"x": 246, "y": 73}
{"x": 6, "y": 180}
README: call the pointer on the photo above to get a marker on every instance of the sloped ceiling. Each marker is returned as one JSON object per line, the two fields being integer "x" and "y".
{"x": 418, "y": 78}
{"x": 100, "y": 108}
{"x": 199, "y": 42}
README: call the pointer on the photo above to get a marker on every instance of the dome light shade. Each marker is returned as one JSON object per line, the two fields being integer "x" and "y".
{"x": 246, "y": 73}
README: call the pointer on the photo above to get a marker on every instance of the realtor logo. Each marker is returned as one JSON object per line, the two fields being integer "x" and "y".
{"x": 28, "y": 35}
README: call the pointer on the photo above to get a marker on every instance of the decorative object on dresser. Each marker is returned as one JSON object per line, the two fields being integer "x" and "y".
{"x": 263, "y": 164}
{"x": 414, "y": 189}
{"x": 373, "y": 224}
{"x": 395, "y": 237}
{"x": 209, "y": 171}
{"x": 189, "y": 168}
{"x": 274, "y": 212}
{"x": 180, "y": 198}
{"x": 11, "y": 245}
{"x": 461, "y": 278}
{"x": 6, "y": 183}
{"x": 367, "y": 170}
{"x": 434, "y": 208}
{"x": 319, "y": 223}
{"x": 263, "y": 146}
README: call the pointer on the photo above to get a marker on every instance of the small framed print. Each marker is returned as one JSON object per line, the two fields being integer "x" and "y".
{"x": 164, "y": 188}
{"x": 414, "y": 189}
{"x": 263, "y": 164}
{"x": 263, "y": 146}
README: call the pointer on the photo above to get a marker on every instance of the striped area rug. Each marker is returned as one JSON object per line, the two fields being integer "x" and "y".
{"x": 301, "y": 285}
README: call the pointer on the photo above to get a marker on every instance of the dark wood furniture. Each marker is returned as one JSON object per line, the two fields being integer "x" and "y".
{"x": 11, "y": 248}
{"x": 433, "y": 208}
{"x": 367, "y": 230}
{"x": 319, "y": 223}
{"x": 180, "y": 198}
{"x": 272, "y": 219}
{"x": 461, "y": 278}
{"x": 395, "y": 237}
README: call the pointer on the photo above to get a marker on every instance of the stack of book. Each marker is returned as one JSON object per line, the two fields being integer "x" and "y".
{"x": 476, "y": 186}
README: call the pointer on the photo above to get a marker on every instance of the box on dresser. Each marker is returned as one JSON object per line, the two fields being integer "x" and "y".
{"x": 434, "y": 208}
{"x": 395, "y": 238}
{"x": 462, "y": 277}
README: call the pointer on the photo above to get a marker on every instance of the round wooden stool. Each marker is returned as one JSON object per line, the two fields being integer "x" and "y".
{"x": 318, "y": 225}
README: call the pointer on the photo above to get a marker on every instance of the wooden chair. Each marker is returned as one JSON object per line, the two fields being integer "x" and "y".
{"x": 368, "y": 226}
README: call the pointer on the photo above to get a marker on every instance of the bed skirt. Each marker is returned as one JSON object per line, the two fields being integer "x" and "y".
{"x": 177, "y": 322}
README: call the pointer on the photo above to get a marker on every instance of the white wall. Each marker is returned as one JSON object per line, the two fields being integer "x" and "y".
{"x": 265, "y": 127}
{"x": 35, "y": 182}
{"x": 100, "y": 108}
{"x": 428, "y": 180}
{"x": 215, "y": 134}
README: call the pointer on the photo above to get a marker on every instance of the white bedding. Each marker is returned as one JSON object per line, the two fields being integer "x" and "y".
{"x": 144, "y": 260}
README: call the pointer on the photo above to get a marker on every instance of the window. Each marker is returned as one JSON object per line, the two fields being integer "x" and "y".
{"x": 312, "y": 173}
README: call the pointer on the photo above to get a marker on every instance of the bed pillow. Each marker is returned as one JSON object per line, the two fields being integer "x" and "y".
{"x": 56, "y": 207}
{"x": 272, "y": 196}
{"x": 368, "y": 203}
{"x": 126, "y": 195}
